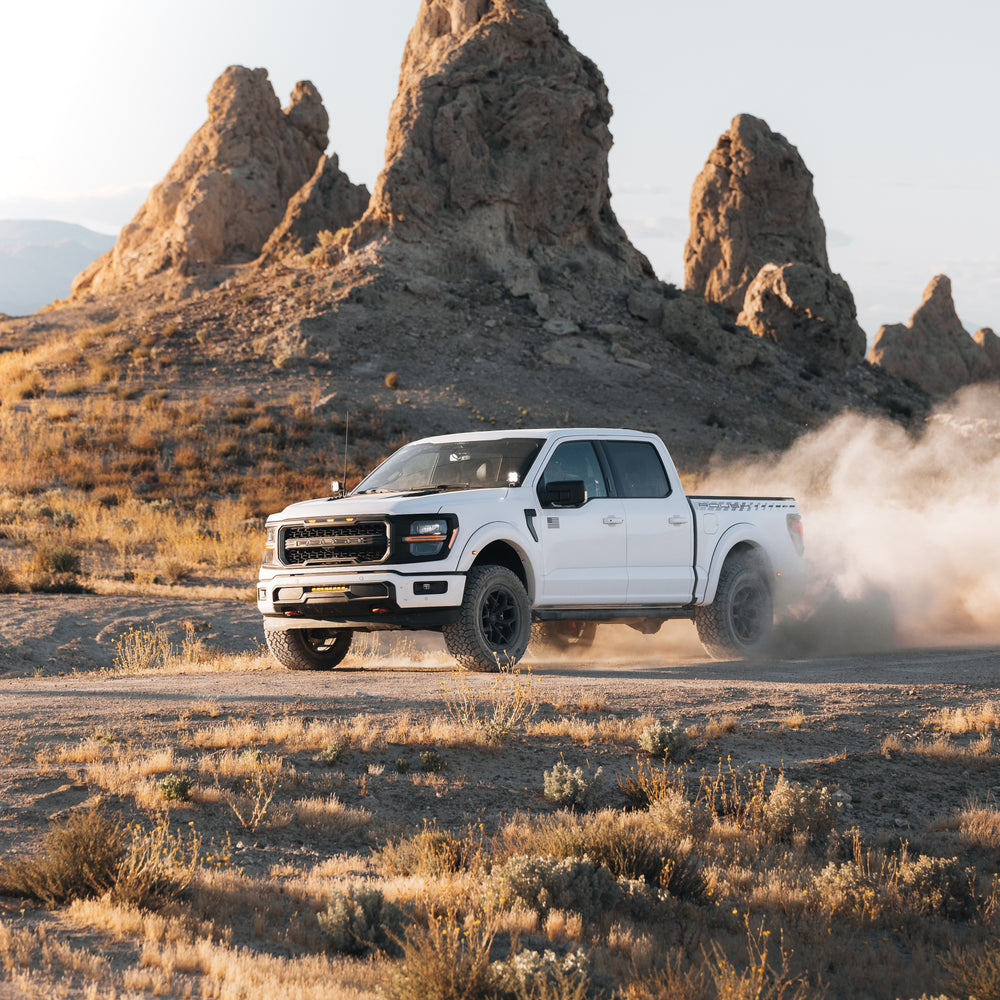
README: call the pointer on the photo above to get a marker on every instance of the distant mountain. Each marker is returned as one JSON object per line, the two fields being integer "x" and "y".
{"x": 39, "y": 260}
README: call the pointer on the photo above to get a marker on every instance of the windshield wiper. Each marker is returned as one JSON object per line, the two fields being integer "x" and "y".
{"x": 378, "y": 489}
{"x": 438, "y": 488}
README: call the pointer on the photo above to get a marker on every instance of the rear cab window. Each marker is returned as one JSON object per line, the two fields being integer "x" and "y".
{"x": 637, "y": 469}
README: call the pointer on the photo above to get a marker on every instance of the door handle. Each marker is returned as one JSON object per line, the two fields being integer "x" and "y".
{"x": 677, "y": 519}
{"x": 610, "y": 519}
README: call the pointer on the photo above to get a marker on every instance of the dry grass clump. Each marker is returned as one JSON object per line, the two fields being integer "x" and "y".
{"x": 979, "y": 825}
{"x": 96, "y": 854}
{"x": 495, "y": 713}
{"x": 979, "y": 719}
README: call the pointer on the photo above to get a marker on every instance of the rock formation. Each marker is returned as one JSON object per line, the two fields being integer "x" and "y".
{"x": 807, "y": 310}
{"x": 328, "y": 201}
{"x": 989, "y": 343}
{"x": 751, "y": 205}
{"x": 498, "y": 144}
{"x": 228, "y": 189}
{"x": 933, "y": 350}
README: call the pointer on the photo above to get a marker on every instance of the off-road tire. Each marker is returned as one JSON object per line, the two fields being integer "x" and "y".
{"x": 309, "y": 648}
{"x": 494, "y": 623}
{"x": 563, "y": 635}
{"x": 738, "y": 624}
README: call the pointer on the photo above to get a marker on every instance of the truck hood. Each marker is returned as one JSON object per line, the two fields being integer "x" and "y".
{"x": 381, "y": 504}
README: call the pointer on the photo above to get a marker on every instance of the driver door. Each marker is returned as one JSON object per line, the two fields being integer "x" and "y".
{"x": 583, "y": 548}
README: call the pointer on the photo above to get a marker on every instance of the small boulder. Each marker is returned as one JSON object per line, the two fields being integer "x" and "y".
{"x": 806, "y": 310}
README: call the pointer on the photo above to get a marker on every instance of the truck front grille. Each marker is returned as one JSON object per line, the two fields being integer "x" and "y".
{"x": 319, "y": 544}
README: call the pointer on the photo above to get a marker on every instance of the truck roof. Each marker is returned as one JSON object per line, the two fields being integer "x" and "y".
{"x": 546, "y": 432}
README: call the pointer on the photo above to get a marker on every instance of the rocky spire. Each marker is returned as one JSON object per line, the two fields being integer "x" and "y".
{"x": 498, "y": 140}
{"x": 751, "y": 205}
{"x": 227, "y": 190}
{"x": 933, "y": 350}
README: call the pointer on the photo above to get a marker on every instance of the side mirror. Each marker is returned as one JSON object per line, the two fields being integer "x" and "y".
{"x": 564, "y": 493}
{"x": 335, "y": 486}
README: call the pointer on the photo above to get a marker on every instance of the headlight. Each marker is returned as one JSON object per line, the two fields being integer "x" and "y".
{"x": 427, "y": 538}
{"x": 270, "y": 547}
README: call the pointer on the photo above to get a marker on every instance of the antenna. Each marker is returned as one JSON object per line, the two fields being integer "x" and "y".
{"x": 347, "y": 430}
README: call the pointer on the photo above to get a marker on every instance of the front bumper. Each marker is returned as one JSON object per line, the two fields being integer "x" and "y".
{"x": 372, "y": 600}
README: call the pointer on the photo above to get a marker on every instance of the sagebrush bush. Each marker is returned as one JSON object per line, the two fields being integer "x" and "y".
{"x": 532, "y": 975}
{"x": 629, "y": 845}
{"x": 937, "y": 885}
{"x": 679, "y": 816}
{"x": 668, "y": 742}
{"x": 924, "y": 885}
{"x": 566, "y": 787}
{"x": 796, "y": 808}
{"x": 357, "y": 919}
{"x": 543, "y": 884}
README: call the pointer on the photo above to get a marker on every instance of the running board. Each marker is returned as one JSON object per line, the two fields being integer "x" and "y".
{"x": 611, "y": 616}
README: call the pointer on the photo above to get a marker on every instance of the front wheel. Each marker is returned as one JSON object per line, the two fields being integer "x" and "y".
{"x": 309, "y": 648}
{"x": 494, "y": 622}
{"x": 737, "y": 625}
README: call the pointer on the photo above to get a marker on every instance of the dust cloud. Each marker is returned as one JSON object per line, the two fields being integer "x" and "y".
{"x": 902, "y": 532}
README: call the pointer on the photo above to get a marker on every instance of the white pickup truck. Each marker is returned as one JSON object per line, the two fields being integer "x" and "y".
{"x": 499, "y": 538}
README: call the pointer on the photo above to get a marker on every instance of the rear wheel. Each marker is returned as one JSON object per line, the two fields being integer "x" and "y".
{"x": 737, "y": 625}
{"x": 563, "y": 635}
{"x": 309, "y": 648}
{"x": 494, "y": 622}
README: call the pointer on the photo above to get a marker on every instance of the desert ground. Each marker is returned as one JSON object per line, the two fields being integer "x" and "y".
{"x": 82, "y": 727}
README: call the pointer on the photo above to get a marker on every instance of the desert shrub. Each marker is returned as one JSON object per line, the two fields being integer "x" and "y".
{"x": 796, "y": 808}
{"x": 139, "y": 650}
{"x": 974, "y": 972}
{"x": 402, "y": 765}
{"x": 924, "y": 885}
{"x": 392, "y": 380}
{"x": 667, "y": 742}
{"x": 679, "y": 816}
{"x": 493, "y": 713}
{"x": 532, "y": 975}
{"x": 358, "y": 918}
{"x": 937, "y": 885}
{"x": 8, "y": 582}
{"x": 175, "y": 787}
{"x": 543, "y": 884}
{"x": 57, "y": 559}
{"x": 431, "y": 761}
{"x": 628, "y": 845}
{"x": 565, "y": 787}
{"x": 30, "y": 386}
{"x": 93, "y": 854}
{"x": 333, "y": 753}
{"x": 445, "y": 961}
{"x": 431, "y": 852}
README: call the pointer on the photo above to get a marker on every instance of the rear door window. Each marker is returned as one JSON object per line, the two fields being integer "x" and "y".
{"x": 637, "y": 469}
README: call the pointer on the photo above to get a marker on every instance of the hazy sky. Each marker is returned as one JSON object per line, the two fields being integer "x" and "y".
{"x": 892, "y": 104}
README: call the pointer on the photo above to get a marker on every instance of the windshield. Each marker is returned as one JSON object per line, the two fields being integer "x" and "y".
{"x": 475, "y": 464}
